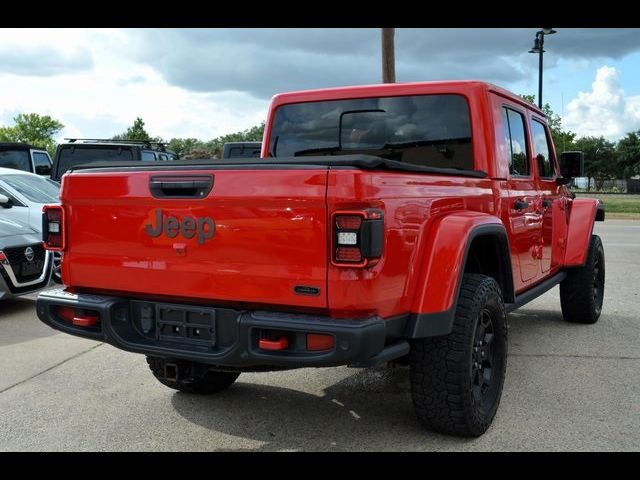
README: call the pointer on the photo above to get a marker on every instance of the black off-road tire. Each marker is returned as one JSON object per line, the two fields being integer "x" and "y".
{"x": 446, "y": 387}
{"x": 206, "y": 383}
{"x": 582, "y": 292}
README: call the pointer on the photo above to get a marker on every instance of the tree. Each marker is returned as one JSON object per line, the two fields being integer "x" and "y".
{"x": 136, "y": 132}
{"x": 599, "y": 159}
{"x": 562, "y": 139}
{"x": 186, "y": 146}
{"x": 37, "y": 130}
{"x": 253, "y": 134}
{"x": 628, "y": 150}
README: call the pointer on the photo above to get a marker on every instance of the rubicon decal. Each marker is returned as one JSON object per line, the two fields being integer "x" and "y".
{"x": 201, "y": 227}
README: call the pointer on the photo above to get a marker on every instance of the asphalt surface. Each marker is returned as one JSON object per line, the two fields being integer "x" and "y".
{"x": 568, "y": 387}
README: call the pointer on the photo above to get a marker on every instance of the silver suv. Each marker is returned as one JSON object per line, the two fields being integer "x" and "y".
{"x": 25, "y": 266}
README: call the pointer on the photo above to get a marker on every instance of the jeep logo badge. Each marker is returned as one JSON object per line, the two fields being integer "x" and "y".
{"x": 28, "y": 254}
{"x": 189, "y": 227}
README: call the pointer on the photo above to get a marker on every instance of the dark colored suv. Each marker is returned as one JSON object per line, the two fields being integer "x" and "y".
{"x": 22, "y": 156}
{"x": 241, "y": 150}
{"x": 78, "y": 152}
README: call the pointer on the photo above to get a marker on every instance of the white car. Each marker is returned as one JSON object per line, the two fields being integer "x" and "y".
{"x": 26, "y": 193}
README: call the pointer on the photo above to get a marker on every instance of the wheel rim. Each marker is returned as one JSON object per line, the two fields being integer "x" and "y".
{"x": 484, "y": 361}
{"x": 598, "y": 282}
{"x": 57, "y": 259}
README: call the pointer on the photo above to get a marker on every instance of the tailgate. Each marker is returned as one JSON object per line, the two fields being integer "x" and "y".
{"x": 257, "y": 236}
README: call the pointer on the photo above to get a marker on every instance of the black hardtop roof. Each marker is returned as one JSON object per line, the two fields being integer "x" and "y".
{"x": 18, "y": 146}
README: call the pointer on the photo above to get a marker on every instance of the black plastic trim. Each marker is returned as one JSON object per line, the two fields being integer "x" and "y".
{"x": 600, "y": 212}
{"x": 422, "y": 325}
{"x": 535, "y": 292}
{"x": 236, "y": 331}
{"x": 369, "y": 162}
{"x": 181, "y": 186}
{"x": 372, "y": 238}
{"x": 390, "y": 352}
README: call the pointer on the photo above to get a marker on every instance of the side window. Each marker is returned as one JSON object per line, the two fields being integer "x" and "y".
{"x": 41, "y": 159}
{"x": 148, "y": 156}
{"x": 541, "y": 149}
{"x": 514, "y": 128}
{"x": 41, "y": 163}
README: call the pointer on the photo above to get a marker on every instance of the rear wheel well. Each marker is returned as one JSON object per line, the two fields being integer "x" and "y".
{"x": 489, "y": 255}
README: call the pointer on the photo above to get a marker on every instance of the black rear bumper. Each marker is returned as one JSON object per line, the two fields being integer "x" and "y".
{"x": 225, "y": 337}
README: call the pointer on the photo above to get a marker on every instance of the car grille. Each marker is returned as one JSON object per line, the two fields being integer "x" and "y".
{"x": 15, "y": 256}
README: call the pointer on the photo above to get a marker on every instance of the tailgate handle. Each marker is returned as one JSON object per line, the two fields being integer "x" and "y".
{"x": 184, "y": 186}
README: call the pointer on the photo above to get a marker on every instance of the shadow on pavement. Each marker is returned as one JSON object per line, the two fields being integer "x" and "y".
{"x": 16, "y": 306}
{"x": 19, "y": 322}
{"x": 370, "y": 409}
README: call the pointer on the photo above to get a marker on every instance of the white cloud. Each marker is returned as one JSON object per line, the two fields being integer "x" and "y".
{"x": 605, "y": 110}
{"x": 105, "y": 99}
{"x": 208, "y": 82}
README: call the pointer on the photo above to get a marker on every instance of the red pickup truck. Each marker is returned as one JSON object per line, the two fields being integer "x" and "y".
{"x": 386, "y": 223}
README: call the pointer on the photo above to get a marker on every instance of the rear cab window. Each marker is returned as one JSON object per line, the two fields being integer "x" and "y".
{"x": 431, "y": 130}
{"x": 72, "y": 155}
{"x": 17, "y": 159}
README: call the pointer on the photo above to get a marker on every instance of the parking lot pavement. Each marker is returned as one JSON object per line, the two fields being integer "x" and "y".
{"x": 568, "y": 387}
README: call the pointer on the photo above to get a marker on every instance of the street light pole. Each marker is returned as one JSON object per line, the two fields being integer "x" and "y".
{"x": 538, "y": 47}
{"x": 540, "y": 68}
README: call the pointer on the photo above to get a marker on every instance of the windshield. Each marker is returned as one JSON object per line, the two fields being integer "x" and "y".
{"x": 426, "y": 130}
{"x": 34, "y": 188}
{"x": 18, "y": 159}
{"x": 71, "y": 156}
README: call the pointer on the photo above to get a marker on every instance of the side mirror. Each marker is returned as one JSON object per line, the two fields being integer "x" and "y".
{"x": 572, "y": 164}
{"x": 5, "y": 202}
{"x": 43, "y": 170}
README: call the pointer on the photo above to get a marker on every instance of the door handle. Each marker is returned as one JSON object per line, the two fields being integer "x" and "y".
{"x": 546, "y": 203}
{"x": 520, "y": 204}
{"x": 181, "y": 186}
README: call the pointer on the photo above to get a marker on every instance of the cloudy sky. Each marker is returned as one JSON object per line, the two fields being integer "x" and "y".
{"x": 206, "y": 82}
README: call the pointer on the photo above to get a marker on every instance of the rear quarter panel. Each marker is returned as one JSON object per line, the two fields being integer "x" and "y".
{"x": 414, "y": 206}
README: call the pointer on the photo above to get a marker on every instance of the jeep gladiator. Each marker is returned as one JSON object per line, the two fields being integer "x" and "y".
{"x": 386, "y": 223}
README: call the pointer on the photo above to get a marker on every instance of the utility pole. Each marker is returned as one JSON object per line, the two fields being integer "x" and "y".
{"x": 388, "y": 56}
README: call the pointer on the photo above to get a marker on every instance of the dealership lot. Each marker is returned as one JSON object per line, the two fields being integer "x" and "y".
{"x": 568, "y": 387}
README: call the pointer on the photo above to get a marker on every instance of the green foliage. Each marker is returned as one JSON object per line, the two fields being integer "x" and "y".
{"x": 136, "y": 132}
{"x": 253, "y": 134}
{"x": 628, "y": 150}
{"x": 599, "y": 159}
{"x": 192, "y": 148}
{"x": 38, "y": 130}
{"x": 562, "y": 139}
{"x": 185, "y": 147}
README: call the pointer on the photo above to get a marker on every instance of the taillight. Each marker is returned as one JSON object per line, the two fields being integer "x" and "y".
{"x": 358, "y": 237}
{"x": 53, "y": 233}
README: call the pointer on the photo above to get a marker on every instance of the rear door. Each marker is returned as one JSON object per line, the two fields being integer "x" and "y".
{"x": 520, "y": 203}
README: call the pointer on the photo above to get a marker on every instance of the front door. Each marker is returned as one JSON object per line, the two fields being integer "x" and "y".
{"x": 551, "y": 203}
